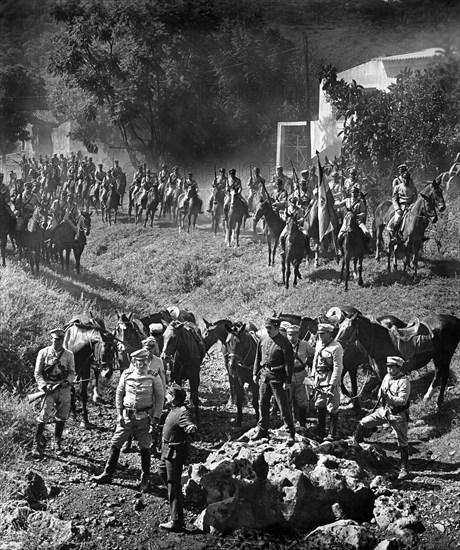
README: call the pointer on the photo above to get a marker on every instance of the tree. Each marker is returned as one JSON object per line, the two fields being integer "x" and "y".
{"x": 20, "y": 94}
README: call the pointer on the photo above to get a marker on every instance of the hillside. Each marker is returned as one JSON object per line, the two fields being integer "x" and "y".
{"x": 129, "y": 268}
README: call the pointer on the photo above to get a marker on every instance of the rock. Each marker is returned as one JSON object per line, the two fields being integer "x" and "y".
{"x": 340, "y": 534}
{"x": 31, "y": 487}
{"x": 397, "y": 516}
{"x": 440, "y": 527}
{"x": 411, "y": 522}
{"x": 48, "y": 531}
{"x": 388, "y": 545}
{"x": 422, "y": 432}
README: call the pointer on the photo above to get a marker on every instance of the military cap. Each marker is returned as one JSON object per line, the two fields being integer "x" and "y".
{"x": 232, "y": 171}
{"x": 293, "y": 329}
{"x": 174, "y": 311}
{"x": 189, "y": 173}
{"x": 273, "y": 321}
{"x": 150, "y": 342}
{"x": 64, "y": 193}
{"x": 175, "y": 168}
{"x": 221, "y": 170}
{"x": 335, "y": 315}
{"x": 355, "y": 189}
{"x": 279, "y": 168}
{"x": 179, "y": 393}
{"x": 304, "y": 172}
{"x": 402, "y": 167}
{"x": 57, "y": 333}
{"x": 156, "y": 328}
{"x": 284, "y": 325}
{"x": 324, "y": 328}
{"x": 30, "y": 183}
{"x": 140, "y": 354}
{"x": 164, "y": 165}
{"x": 335, "y": 174}
{"x": 117, "y": 161}
{"x": 395, "y": 361}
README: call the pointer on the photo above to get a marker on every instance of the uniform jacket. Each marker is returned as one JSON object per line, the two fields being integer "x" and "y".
{"x": 395, "y": 391}
{"x": 274, "y": 352}
{"x": 328, "y": 363}
{"x": 140, "y": 392}
{"x": 174, "y": 428}
{"x": 52, "y": 367}
{"x": 404, "y": 195}
{"x": 357, "y": 206}
{"x": 234, "y": 184}
{"x": 302, "y": 350}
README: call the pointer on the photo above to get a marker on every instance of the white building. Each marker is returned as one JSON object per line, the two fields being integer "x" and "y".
{"x": 378, "y": 73}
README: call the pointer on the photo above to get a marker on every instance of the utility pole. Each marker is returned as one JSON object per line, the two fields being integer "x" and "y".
{"x": 307, "y": 98}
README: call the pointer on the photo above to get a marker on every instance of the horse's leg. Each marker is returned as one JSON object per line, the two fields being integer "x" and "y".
{"x": 194, "y": 383}
{"x": 275, "y": 245}
{"x": 441, "y": 363}
{"x": 283, "y": 268}
{"x": 239, "y": 389}
{"x": 96, "y": 397}
{"x": 146, "y": 219}
{"x": 342, "y": 270}
{"x": 238, "y": 229}
{"x": 360, "y": 270}
{"x": 255, "y": 398}
{"x": 347, "y": 272}
{"x": 269, "y": 244}
{"x": 416, "y": 248}
{"x": 84, "y": 401}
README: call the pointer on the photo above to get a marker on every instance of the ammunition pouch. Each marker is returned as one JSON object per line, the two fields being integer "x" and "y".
{"x": 400, "y": 408}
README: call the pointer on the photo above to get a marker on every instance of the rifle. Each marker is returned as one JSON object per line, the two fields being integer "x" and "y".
{"x": 296, "y": 179}
{"x": 32, "y": 397}
{"x": 215, "y": 175}
{"x": 266, "y": 192}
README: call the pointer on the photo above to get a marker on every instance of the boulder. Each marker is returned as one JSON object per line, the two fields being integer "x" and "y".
{"x": 49, "y": 531}
{"x": 340, "y": 534}
{"x": 30, "y": 487}
{"x": 397, "y": 515}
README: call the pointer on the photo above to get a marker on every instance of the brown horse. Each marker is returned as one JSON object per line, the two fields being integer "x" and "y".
{"x": 130, "y": 332}
{"x": 151, "y": 205}
{"x": 234, "y": 219}
{"x": 241, "y": 348}
{"x": 30, "y": 238}
{"x": 64, "y": 239}
{"x": 294, "y": 248}
{"x": 189, "y": 206}
{"x": 182, "y": 352}
{"x": 110, "y": 201}
{"x": 273, "y": 229}
{"x": 414, "y": 227}
{"x": 217, "y": 210}
{"x": 353, "y": 248}
{"x": 376, "y": 340}
{"x": 170, "y": 203}
{"x": 120, "y": 185}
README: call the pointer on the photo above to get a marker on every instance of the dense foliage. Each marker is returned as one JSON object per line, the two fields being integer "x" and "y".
{"x": 416, "y": 121}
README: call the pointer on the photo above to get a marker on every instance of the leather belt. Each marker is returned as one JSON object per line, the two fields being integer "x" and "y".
{"x": 274, "y": 368}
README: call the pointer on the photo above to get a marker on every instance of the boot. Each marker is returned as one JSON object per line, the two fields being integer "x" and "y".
{"x": 321, "y": 423}
{"x": 127, "y": 447}
{"x": 358, "y": 436}
{"x": 302, "y": 412}
{"x": 333, "y": 421}
{"x": 38, "y": 447}
{"x": 145, "y": 463}
{"x": 58, "y": 430}
{"x": 404, "y": 471}
{"x": 110, "y": 467}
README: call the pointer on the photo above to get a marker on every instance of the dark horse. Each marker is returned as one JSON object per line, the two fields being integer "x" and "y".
{"x": 414, "y": 225}
{"x": 93, "y": 347}
{"x": 377, "y": 342}
{"x": 151, "y": 205}
{"x": 273, "y": 229}
{"x": 189, "y": 206}
{"x": 7, "y": 225}
{"x": 170, "y": 202}
{"x": 217, "y": 209}
{"x": 131, "y": 332}
{"x": 65, "y": 239}
{"x": 353, "y": 248}
{"x": 110, "y": 201}
{"x": 30, "y": 238}
{"x": 181, "y": 351}
{"x": 294, "y": 248}
{"x": 241, "y": 348}
{"x": 234, "y": 219}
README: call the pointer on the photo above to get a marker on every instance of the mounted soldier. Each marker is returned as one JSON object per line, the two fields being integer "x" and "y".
{"x": 220, "y": 183}
{"x": 404, "y": 195}
{"x": 306, "y": 189}
{"x": 256, "y": 185}
{"x": 352, "y": 181}
{"x": 116, "y": 170}
{"x": 26, "y": 204}
{"x": 335, "y": 185}
{"x": 235, "y": 188}
{"x": 280, "y": 175}
{"x": 5, "y": 199}
{"x": 280, "y": 197}
{"x": 175, "y": 179}
{"x": 163, "y": 175}
{"x": 355, "y": 203}
{"x": 400, "y": 178}
{"x": 191, "y": 188}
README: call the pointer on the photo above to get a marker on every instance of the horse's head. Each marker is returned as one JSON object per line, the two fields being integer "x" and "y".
{"x": 261, "y": 210}
{"x": 105, "y": 352}
{"x": 350, "y": 220}
{"x": 438, "y": 194}
{"x": 171, "y": 340}
{"x": 234, "y": 342}
{"x": 212, "y": 333}
{"x": 429, "y": 203}
{"x": 84, "y": 223}
{"x": 348, "y": 329}
{"x": 126, "y": 331}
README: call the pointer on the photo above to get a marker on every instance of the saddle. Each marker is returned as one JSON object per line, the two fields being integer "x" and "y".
{"x": 85, "y": 321}
{"x": 417, "y": 337}
{"x": 195, "y": 332}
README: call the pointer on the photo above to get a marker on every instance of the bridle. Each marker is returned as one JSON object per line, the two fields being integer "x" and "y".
{"x": 231, "y": 355}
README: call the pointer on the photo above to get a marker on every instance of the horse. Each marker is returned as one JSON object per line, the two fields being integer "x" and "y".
{"x": 170, "y": 203}
{"x": 311, "y": 227}
{"x": 294, "y": 248}
{"x": 414, "y": 225}
{"x": 132, "y": 191}
{"x": 30, "y": 238}
{"x": 189, "y": 206}
{"x": 217, "y": 209}
{"x": 151, "y": 204}
{"x": 64, "y": 239}
{"x": 242, "y": 348}
{"x": 110, "y": 200}
{"x": 378, "y": 343}
{"x": 83, "y": 192}
{"x": 353, "y": 247}
{"x": 182, "y": 352}
{"x": 94, "y": 347}
{"x": 130, "y": 332}
{"x": 120, "y": 185}
{"x": 7, "y": 225}
{"x": 234, "y": 217}
{"x": 273, "y": 229}
{"x": 213, "y": 333}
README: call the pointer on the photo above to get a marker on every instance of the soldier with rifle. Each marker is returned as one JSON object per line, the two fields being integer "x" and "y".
{"x": 54, "y": 373}
{"x": 219, "y": 184}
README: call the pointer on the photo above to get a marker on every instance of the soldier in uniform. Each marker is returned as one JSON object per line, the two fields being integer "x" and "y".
{"x": 234, "y": 185}
{"x": 404, "y": 195}
{"x": 116, "y": 170}
{"x": 100, "y": 174}
{"x": 352, "y": 181}
{"x": 139, "y": 401}
{"x": 156, "y": 365}
{"x": 356, "y": 204}
{"x": 280, "y": 175}
{"x": 178, "y": 426}
{"x": 394, "y": 394}
{"x": 336, "y": 185}
{"x": 191, "y": 188}
{"x": 28, "y": 201}
{"x": 175, "y": 180}
{"x": 54, "y": 373}
{"x": 272, "y": 370}
{"x": 220, "y": 183}
{"x": 5, "y": 199}
{"x": 255, "y": 185}
{"x": 298, "y": 390}
{"x": 327, "y": 373}
{"x": 280, "y": 197}
{"x": 402, "y": 170}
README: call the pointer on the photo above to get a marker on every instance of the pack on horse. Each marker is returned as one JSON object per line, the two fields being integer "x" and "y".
{"x": 110, "y": 201}
{"x": 153, "y": 200}
{"x": 434, "y": 337}
{"x": 414, "y": 225}
{"x": 30, "y": 238}
{"x": 311, "y": 227}
{"x": 353, "y": 247}
{"x": 217, "y": 209}
{"x": 273, "y": 228}
{"x": 94, "y": 348}
{"x": 130, "y": 331}
{"x": 65, "y": 238}
{"x": 295, "y": 246}
{"x": 184, "y": 354}
{"x": 189, "y": 206}
{"x": 241, "y": 349}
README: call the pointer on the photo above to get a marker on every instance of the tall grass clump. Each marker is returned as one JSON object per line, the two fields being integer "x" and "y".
{"x": 16, "y": 427}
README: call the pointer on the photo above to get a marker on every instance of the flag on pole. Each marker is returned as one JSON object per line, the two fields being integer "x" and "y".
{"x": 327, "y": 217}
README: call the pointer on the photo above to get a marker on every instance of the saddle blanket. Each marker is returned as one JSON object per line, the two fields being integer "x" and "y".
{"x": 416, "y": 338}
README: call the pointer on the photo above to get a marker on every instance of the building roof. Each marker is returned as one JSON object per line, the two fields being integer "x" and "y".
{"x": 422, "y": 54}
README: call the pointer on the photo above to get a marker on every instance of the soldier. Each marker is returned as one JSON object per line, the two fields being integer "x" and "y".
{"x": 220, "y": 183}
{"x": 394, "y": 394}
{"x": 402, "y": 170}
{"x": 28, "y": 201}
{"x": 175, "y": 180}
{"x": 234, "y": 186}
{"x": 91, "y": 168}
{"x": 357, "y": 205}
{"x": 116, "y": 170}
{"x": 327, "y": 372}
{"x": 306, "y": 189}
{"x": 404, "y": 195}
{"x": 163, "y": 175}
{"x": 178, "y": 426}
{"x": 139, "y": 401}
{"x": 191, "y": 188}
{"x": 280, "y": 197}
{"x": 272, "y": 370}
{"x": 336, "y": 185}
{"x": 5, "y": 199}
{"x": 280, "y": 175}
{"x": 100, "y": 174}
{"x": 156, "y": 365}
{"x": 352, "y": 181}
{"x": 298, "y": 390}
{"x": 54, "y": 373}
{"x": 255, "y": 185}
